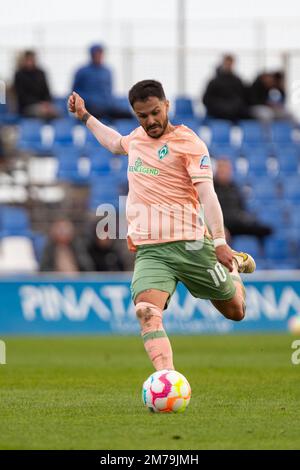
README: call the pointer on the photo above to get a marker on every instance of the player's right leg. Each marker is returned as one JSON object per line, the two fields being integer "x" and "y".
{"x": 152, "y": 286}
{"x": 149, "y": 307}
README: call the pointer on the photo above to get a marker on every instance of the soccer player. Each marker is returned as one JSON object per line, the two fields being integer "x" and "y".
{"x": 169, "y": 174}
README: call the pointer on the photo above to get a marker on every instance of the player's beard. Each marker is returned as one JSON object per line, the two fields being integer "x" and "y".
{"x": 159, "y": 131}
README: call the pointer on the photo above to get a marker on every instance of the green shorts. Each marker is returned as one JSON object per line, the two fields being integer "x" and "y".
{"x": 161, "y": 266}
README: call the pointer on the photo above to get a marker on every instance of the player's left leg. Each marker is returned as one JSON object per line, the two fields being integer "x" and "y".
{"x": 206, "y": 278}
{"x": 235, "y": 308}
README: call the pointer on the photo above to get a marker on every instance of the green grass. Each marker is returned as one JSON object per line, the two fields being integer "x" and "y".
{"x": 85, "y": 393}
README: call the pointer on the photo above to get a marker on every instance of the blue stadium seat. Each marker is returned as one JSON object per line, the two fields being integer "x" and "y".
{"x": 277, "y": 248}
{"x": 220, "y": 131}
{"x": 14, "y": 221}
{"x": 264, "y": 188}
{"x": 288, "y": 160}
{"x": 252, "y": 132}
{"x": 257, "y": 160}
{"x": 261, "y": 263}
{"x": 282, "y": 264}
{"x": 104, "y": 190}
{"x": 252, "y": 204}
{"x": 63, "y": 131}
{"x": 192, "y": 123}
{"x": 6, "y": 117}
{"x": 67, "y": 157}
{"x": 271, "y": 214}
{"x": 122, "y": 103}
{"x": 100, "y": 161}
{"x": 68, "y": 166}
{"x": 223, "y": 151}
{"x": 30, "y": 129}
{"x": 295, "y": 218}
{"x": 184, "y": 107}
{"x": 246, "y": 243}
{"x": 282, "y": 132}
{"x": 286, "y": 232}
{"x": 250, "y": 150}
{"x": 119, "y": 165}
{"x": 30, "y": 136}
{"x": 39, "y": 241}
{"x": 61, "y": 103}
{"x": 241, "y": 171}
{"x": 126, "y": 126}
{"x": 292, "y": 188}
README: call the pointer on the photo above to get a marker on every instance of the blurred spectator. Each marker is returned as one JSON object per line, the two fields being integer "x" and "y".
{"x": 279, "y": 88}
{"x": 236, "y": 218}
{"x": 64, "y": 252}
{"x": 32, "y": 90}
{"x": 226, "y": 95}
{"x": 94, "y": 83}
{"x": 105, "y": 255}
{"x": 267, "y": 97}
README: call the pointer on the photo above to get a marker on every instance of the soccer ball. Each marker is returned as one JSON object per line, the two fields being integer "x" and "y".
{"x": 294, "y": 325}
{"x": 166, "y": 391}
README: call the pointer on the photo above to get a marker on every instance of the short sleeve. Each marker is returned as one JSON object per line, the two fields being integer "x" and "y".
{"x": 125, "y": 141}
{"x": 198, "y": 162}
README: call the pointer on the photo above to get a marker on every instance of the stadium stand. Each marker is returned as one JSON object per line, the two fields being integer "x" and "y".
{"x": 184, "y": 108}
{"x": 62, "y": 156}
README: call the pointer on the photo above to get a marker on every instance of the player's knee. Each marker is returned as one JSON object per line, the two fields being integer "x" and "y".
{"x": 237, "y": 312}
{"x": 148, "y": 315}
{"x": 143, "y": 312}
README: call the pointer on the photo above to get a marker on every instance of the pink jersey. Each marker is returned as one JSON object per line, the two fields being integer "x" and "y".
{"x": 162, "y": 204}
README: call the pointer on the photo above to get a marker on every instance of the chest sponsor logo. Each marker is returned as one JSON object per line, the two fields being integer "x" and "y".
{"x": 138, "y": 167}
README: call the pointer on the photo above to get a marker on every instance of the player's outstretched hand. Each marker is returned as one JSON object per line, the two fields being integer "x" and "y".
{"x": 225, "y": 256}
{"x": 76, "y": 105}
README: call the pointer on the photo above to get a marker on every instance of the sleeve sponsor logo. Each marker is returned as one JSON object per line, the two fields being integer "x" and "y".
{"x": 205, "y": 162}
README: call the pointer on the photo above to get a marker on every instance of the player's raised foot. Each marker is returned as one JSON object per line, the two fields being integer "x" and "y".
{"x": 245, "y": 262}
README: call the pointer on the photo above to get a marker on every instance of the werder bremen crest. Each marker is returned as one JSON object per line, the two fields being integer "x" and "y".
{"x": 163, "y": 152}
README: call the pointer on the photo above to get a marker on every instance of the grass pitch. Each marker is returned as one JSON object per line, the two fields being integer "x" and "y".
{"x": 85, "y": 393}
